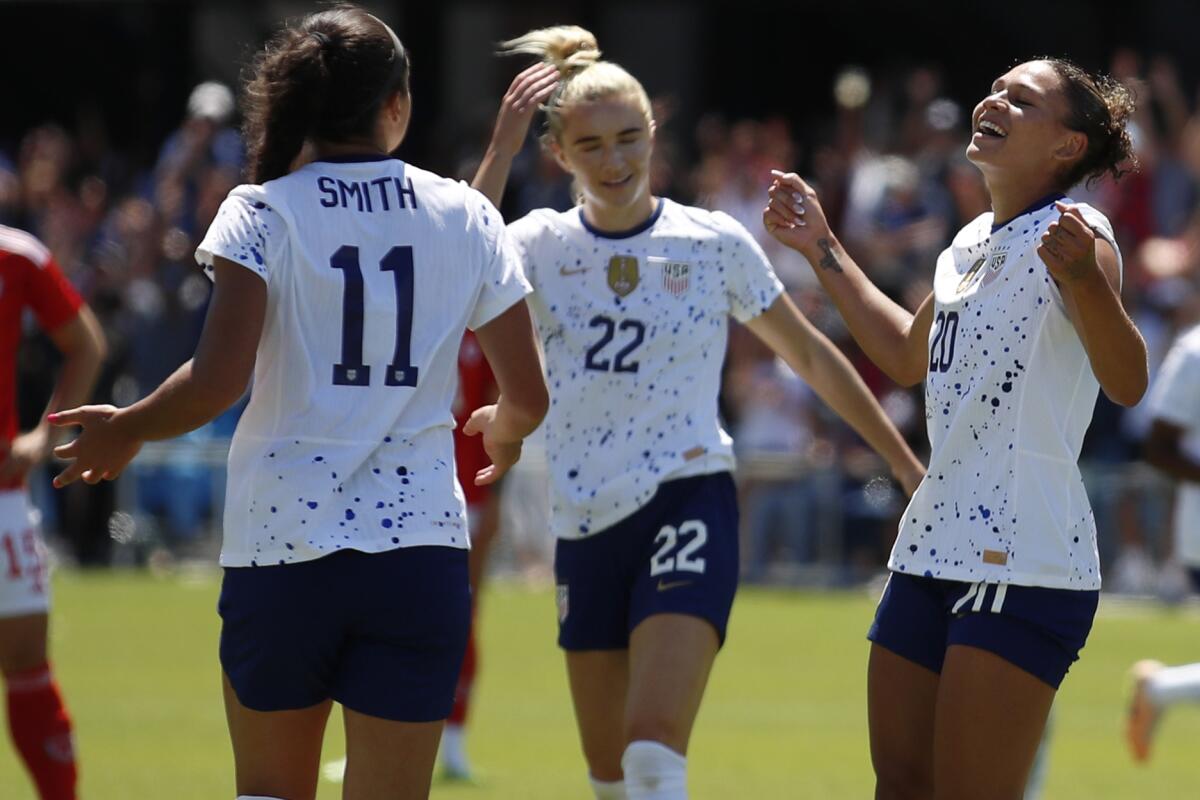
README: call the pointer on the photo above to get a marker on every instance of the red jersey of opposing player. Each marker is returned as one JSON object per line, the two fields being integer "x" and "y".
{"x": 476, "y": 387}
{"x": 29, "y": 278}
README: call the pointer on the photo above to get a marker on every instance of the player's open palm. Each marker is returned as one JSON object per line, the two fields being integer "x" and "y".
{"x": 526, "y": 93}
{"x": 502, "y": 452}
{"x": 793, "y": 214}
{"x": 101, "y": 451}
{"x": 1068, "y": 246}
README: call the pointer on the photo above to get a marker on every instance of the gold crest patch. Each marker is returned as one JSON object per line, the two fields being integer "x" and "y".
{"x": 623, "y": 274}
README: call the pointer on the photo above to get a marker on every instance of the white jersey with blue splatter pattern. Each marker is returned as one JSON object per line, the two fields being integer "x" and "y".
{"x": 1175, "y": 398}
{"x": 634, "y": 329}
{"x": 1009, "y": 394}
{"x": 374, "y": 269}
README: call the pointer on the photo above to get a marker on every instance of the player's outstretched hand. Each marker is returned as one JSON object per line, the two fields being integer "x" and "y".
{"x": 502, "y": 453}
{"x": 527, "y": 92}
{"x": 102, "y": 449}
{"x": 1068, "y": 247}
{"x": 793, "y": 214}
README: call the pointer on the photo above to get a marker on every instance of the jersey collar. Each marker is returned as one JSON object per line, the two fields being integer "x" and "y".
{"x": 625, "y": 234}
{"x": 1037, "y": 205}
{"x": 354, "y": 158}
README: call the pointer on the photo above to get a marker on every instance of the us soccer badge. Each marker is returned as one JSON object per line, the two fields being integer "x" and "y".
{"x": 623, "y": 274}
{"x": 676, "y": 275}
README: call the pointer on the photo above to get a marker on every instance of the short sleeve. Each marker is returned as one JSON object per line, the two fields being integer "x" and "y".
{"x": 1104, "y": 230}
{"x": 503, "y": 282}
{"x": 1175, "y": 395}
{"x": 51, "y": 296}
{"x": 244, "y": 232}
{"x": 750, "y": 283}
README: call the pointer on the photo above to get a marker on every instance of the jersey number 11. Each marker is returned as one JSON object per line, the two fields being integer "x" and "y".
{"x": 351, "y": 371}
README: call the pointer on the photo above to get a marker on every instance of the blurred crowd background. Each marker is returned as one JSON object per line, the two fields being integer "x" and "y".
{"x": 119, "y": 152}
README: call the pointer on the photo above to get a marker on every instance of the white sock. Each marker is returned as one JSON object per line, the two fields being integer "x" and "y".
{"x": 608, "y": 790}
{"x": 453, "y": 751}
{"x": 654, "y": 771}
{"x": 1174, "y": 685}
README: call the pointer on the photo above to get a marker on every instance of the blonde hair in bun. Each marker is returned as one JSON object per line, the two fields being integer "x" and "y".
{"x": 584, "y": 76}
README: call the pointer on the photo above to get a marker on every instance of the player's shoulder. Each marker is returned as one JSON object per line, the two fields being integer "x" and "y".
{"x": 1093, "y": 216}
{"x": 545, "y": 222}
{"x": 974, "y": 231}
{"x": 702, "y": 222}
{"x": 1189, "y": 341}
{"x": 16, "y": 242}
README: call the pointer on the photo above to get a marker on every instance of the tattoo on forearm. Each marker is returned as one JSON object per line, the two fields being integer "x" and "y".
{"x": 829, "y": 261}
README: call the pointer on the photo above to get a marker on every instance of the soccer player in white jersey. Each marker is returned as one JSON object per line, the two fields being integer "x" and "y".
{"x": 344, "y": 285}
{"x": 1173, "y": 445}
{"x": 995, "y": 574}
{"x": 632, "y": 296}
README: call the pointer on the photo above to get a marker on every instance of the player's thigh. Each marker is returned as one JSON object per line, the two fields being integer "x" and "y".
{"x": 901, "y": 702}
{"x": 385, "y": 758}
{"x": 23, "y": 642}
{"x": 670, "y": 658}
{"x": 989, "y": 721}
{"x": 599, "y": 681}
{"x": 275, "y": 753}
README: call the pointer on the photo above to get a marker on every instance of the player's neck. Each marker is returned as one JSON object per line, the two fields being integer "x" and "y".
{"x": 613, "y": 219}
{"x": 355, "y": 147}
{"x": 1010, "y": 199}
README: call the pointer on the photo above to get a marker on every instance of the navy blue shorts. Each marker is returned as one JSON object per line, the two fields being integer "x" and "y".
{"x": 678, "y": 554}
{"x": 1039, "y": 630}
{"x": 381, "y": 633}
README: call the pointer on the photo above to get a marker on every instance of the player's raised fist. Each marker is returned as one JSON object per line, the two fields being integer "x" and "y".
{"x": 1068, "y": 247}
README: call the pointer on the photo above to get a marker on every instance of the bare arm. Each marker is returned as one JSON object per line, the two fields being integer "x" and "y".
{"x": 1164, "y": 450}
{"x": 196, "y": 393}
{"x": 1087, "y": 273}
{"x": 528, "y": 90}
{"x": 81, "y": 341}
{"x": 891, "y": 336}
{"x": 815, "y": 359}
{"x": 510, "y": 346}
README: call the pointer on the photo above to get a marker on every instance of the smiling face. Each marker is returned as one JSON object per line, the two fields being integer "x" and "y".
{"x": 606, "y": 145}
{"x": 1019, "y": 128}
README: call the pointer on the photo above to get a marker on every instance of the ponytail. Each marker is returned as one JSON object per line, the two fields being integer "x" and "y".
{"x": 326, "y": 78}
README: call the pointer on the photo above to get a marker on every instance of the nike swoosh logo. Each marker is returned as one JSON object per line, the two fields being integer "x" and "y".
{"x": 662, "y": 587}
{"x": 568, "y": 272}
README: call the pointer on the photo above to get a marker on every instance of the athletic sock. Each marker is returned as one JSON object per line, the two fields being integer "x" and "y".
{"x": 41, "y": 731}
{"x": 1174, "y": 685}
{"x": 608, "y": 790}
{"x": 453, "y": 752}
{"x": 654, "y": 771}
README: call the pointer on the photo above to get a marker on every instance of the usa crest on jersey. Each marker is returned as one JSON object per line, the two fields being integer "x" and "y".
{"x": 676, "y": 275}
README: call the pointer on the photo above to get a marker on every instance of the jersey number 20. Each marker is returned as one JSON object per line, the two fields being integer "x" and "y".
{"x": 941, "y": 351}
{"x": 351, "y": 371}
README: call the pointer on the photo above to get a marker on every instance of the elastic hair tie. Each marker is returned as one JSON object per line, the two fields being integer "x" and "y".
{"x": 321, "y": 38}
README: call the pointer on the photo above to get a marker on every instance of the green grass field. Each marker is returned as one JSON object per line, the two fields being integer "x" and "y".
{"x": 784, "y": 717}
